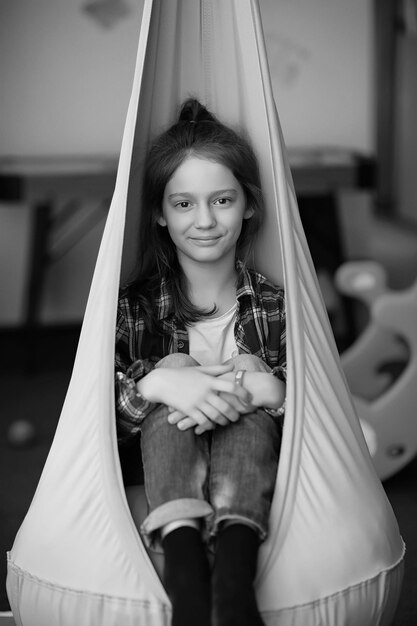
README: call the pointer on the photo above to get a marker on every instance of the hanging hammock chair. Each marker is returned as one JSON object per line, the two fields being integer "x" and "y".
{"x": 334, "y": 554}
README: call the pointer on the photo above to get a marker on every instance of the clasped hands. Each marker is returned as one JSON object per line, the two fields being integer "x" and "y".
{"x": 211, "y": 398}
{"x": 203, "y": 397}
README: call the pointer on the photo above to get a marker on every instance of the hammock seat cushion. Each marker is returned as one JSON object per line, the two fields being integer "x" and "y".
{"x": 334, "y": 554}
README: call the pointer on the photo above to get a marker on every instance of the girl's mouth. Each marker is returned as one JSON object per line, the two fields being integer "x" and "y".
{"x": 205, "y": 241}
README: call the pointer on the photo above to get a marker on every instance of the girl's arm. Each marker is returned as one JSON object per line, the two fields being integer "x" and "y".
{"x": 265, "y": 391}
{"x": 131, "y": 408}
{"x": 196, "y": 392}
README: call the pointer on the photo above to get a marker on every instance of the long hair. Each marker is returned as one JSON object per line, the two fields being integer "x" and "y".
{"x": 196, "y": 133}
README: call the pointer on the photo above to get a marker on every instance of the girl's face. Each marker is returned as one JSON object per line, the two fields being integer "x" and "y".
{"x": 203, "y": 208}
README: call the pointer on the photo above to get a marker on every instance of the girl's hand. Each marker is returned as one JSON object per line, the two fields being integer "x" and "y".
{"x": 195, "y": 392}
{"x": 184, "y": 422}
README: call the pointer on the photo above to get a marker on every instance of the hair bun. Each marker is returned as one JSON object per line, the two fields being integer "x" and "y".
{"x": 193, "y": 111}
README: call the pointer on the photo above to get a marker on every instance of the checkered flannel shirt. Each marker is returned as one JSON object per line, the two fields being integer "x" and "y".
{"x": 259, "y": 329}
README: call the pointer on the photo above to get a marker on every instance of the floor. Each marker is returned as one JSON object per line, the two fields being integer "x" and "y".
{"x": 36, "y": 395}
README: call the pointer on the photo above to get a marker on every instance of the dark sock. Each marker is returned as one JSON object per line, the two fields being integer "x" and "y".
{"x": 234, "y": 600}
{"x": 187, "y": 577}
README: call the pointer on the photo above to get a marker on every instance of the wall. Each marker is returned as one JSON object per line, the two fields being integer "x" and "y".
{"x": 65, "y": 90}
{"x": 321, "y": 59}
{"x": 65, "y": 80}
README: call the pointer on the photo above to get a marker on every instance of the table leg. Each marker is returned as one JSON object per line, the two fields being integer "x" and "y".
{"x": 320, "y": 221}
{"x": 38, "y": 260}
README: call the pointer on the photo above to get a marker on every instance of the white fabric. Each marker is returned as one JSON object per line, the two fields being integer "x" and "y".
{"x": 334, "y": 554}
{"x": 212, "y": 340}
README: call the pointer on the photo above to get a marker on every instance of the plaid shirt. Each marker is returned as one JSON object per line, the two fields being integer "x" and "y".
{"x": 259, "y": 330}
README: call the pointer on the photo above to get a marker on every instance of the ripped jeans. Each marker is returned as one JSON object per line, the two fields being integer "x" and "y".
{"x": 225, "y": 474}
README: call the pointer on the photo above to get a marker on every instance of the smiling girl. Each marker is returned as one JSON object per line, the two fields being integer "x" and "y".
{"x": 200, "y": 368}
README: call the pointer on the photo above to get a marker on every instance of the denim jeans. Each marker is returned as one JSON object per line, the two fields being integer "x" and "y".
{"x": 225, "y": 474}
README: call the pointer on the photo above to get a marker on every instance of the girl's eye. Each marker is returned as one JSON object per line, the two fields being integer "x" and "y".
{"x": 184, "y": 204}
{"x": 222, "y": 201}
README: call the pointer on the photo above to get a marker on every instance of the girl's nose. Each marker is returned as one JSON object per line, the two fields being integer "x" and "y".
{"x": 205, "y": 216}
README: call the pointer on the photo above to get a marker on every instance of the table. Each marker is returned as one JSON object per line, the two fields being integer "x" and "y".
{"x": 40, "y": 182}
{"x": 320, "y": 175}
{"x": 327, "y": 170}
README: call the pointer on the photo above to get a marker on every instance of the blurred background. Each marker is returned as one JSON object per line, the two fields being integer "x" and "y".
{"x": 344, "y": 74}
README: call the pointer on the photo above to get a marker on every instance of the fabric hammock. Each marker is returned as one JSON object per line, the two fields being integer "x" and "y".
{"x": 334, "y": 554}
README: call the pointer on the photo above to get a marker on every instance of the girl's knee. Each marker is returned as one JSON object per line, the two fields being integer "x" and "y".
{"x": 249, "y": 363}
{"x": 176, "y": 360}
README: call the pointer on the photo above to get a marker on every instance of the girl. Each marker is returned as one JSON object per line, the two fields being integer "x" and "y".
{"x": 200, "y": 368}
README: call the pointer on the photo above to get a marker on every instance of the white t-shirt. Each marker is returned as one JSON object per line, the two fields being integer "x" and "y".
{"x": 212, "y": 340}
